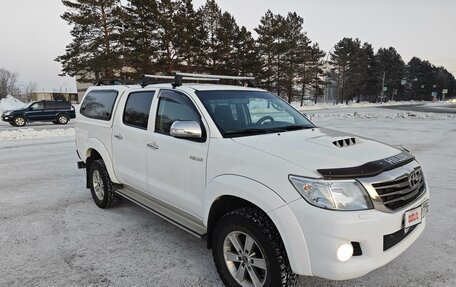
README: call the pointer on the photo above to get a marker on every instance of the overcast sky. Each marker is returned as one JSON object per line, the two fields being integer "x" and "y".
{"x": 32, "y": 33}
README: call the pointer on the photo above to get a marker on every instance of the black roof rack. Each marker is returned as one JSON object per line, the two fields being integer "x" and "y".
{"x": 177, "y": 79}
{"x": 250, "y": 81}
{"x": 146, "y": 79}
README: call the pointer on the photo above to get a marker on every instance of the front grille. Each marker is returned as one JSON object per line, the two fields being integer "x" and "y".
{"x": 401, "y": 191}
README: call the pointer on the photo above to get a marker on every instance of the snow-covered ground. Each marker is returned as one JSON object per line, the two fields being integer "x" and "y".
{"x": 52, "y": 234}
{"x": 29, "y": 133}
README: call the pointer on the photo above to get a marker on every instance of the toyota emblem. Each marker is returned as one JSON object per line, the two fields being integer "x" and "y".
{"x": 415, "y": 178}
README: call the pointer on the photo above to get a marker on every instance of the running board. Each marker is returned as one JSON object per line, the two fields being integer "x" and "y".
{"x": 164, "y": 210}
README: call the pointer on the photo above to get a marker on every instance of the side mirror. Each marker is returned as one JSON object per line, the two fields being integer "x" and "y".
{"x": 186, "y": 129}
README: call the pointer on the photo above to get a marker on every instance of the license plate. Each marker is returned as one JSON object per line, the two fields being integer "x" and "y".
{"x": 412, "y": 217}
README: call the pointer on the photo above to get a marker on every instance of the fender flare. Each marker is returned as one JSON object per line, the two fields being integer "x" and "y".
{"x": 272, "y": 204}
{"x": 242, "y": 187}
{"x": 97, "y": 145}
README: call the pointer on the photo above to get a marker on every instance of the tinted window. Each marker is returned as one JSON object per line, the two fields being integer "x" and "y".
{"x": 137, "y": 109}
{"x": 174, "y": 106}
{"x": 57, "y": 105}
{"x": 99, "y": 105}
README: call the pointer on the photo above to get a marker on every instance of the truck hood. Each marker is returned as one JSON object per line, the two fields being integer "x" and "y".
{"x": 320, "y": 148}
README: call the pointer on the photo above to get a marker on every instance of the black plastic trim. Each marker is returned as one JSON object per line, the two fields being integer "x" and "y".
{"x": 372, "y": 168}
{"x": 392, "y": 239}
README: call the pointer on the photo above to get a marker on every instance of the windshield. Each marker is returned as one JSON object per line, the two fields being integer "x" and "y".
{"x": 242, "y": 113}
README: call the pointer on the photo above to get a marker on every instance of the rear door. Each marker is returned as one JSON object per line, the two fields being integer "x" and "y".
{"x": 50, "y": 111}
{"x": 129, "y": 138}
{"x": 176, "y": 166}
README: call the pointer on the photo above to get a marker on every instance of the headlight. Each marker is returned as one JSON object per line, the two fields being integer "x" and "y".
{"x": 332, "y": 194}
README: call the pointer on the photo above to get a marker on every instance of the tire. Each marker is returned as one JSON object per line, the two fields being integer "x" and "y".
{"x": 19, "y": 121}
{"x": 62, "y": 119}
{"x": 101, "y": 186}
{"x": 236, "y": 226}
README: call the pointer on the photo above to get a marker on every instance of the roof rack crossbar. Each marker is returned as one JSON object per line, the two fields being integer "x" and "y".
{"x": 221, "y": 77}
{"x": 250, "y": 81}
{"x": 146, "y": 76}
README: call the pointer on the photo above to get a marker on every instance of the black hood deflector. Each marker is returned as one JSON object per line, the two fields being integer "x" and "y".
{"x": 372, "y": 168}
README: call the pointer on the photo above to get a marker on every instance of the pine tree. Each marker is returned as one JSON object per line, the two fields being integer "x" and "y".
{"x": 292, "y": 35}
{"x": 191, "y": 35}
{"x": 246, "y": 59}
{"x": 140, "y": 37}
{"x": 304, "y": 59}
{"x": 266, "y": 40}
{"x": 419, "y": 75}
{"x": 211, "y": 25}
{"x": 369, "y": 81}
{"x": 168, "y": 36}
{"x": 390, "y": 64}
{"x": 227, "y": 35}
{"x": 316, "y": 71}
{"x": 96, "y": 46}
{"x": 344, "y": 60}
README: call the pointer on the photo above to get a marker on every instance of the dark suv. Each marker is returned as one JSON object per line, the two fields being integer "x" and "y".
{"x": 58, "y": 112}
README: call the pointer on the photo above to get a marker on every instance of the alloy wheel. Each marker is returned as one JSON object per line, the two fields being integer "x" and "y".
{"x": 244, "y": 259}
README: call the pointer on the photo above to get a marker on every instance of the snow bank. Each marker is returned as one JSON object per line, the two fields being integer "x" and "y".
{"x": 380, "y": 115}
{"x": 10, "y": 103}
{"x": 34, "y": 134}
{"x": 324, "y": 106}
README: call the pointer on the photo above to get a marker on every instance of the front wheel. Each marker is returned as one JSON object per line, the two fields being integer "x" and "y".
{"x": 101, "y": 186}
{"x": 19, "y": 121}
{"x": 248, "y": 251}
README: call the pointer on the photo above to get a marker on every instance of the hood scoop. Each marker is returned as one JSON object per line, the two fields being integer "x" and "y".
{"x": 345, "y": 142}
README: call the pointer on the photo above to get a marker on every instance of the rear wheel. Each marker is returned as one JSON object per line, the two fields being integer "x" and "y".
{"x": 249, "y": 252}
{"x": 62, "y": 119}
{"x": 19, "y": 121}
{"x": 101, "y": 186}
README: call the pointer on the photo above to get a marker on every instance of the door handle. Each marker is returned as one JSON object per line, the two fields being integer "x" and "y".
{"x": 153, "y": 145}
{"x": 119, "y": 136}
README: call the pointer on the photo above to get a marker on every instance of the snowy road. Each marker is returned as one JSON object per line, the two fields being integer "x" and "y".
{"x": 51, "y": 234}
{"x": 36, "y": 126}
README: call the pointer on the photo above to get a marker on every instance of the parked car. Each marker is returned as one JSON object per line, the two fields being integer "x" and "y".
{"x": 272, "y": 194}
{"x": 58, "y": 112}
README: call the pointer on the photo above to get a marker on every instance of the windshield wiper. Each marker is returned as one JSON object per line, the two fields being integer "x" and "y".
{"x": 294, "y": 128}
{"x": 255, "y": 131}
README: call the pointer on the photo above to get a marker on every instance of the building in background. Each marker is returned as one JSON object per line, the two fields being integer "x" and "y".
{"x": 50, "y": 95}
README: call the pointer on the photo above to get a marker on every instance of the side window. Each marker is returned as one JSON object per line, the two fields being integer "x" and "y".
{"x": 49, "y": 105}
{"x": 99, "y": 105}
{"x": 174, "y": 106}
{"x": 37, "y": 106}
{"x": 137, "y": 108}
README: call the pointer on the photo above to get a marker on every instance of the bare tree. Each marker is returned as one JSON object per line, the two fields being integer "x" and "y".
{"x": 29, "y": 88}
{"x": 8, "y": 83}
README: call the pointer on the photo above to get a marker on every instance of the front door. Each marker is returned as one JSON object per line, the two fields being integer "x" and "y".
{"x": 35, "y": 112}
{"x": 177, "y": 167}
{"x": 129, "y": 139}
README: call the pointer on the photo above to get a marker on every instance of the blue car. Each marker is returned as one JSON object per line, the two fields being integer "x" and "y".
{"x": 58, "y": 112}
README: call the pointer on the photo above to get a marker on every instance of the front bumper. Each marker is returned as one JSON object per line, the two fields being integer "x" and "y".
{"x": 7, "y": 118}
{"x": 326, "y": 230}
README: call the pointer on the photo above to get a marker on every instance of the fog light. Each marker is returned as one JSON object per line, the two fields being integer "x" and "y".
{"x": 345, "y": 252}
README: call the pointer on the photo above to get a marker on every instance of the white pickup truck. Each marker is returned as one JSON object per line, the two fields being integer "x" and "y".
{"x": 272, "y": 194}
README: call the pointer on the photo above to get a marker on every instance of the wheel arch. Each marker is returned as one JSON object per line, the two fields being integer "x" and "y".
{"x": 95, "y": 149}
{"x": 229, "y": 192}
